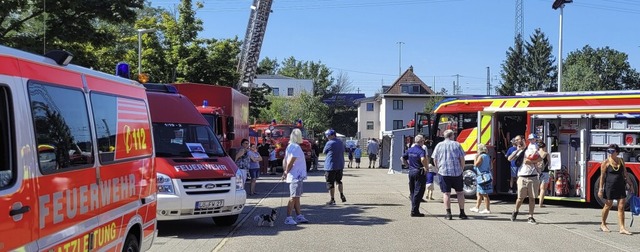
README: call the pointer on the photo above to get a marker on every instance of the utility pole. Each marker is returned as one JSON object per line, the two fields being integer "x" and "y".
{"x": 434, "y": 84}
{"x": 453, "y": 91}
{"x": 399, "y": 57}
{"x": 456, "y": 84}
{"x": 559, "y": 4}
{"x": 488, "y": 81}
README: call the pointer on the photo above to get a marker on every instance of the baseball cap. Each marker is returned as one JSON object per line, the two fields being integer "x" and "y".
{"x": 532, "y": 136}
{"x": 329, "y": 132}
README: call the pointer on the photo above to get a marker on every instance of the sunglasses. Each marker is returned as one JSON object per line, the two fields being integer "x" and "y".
{"x": 611, "y": 151}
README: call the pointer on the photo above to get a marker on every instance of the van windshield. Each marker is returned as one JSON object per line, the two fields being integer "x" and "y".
{"x": 285, "y": 131}
{"x": 185, "y": 140}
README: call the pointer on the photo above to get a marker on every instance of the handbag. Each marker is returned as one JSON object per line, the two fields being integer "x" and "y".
{"x": 484, "y": 178}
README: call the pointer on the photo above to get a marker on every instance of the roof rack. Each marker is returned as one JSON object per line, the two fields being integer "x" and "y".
{"x": 605, "y": 92}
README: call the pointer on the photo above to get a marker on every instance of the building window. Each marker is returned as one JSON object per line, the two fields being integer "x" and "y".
{"x": 370, "y": 106}
{"x": 276, "y": 91}
{"x": 369, "y": 125}
{"x": 290, "y": 91}
{"x": 410, "y": 89}
{"x": 397, "y": 104}
{"x": 416, "y": 89}
{"x": 397, "y": 124}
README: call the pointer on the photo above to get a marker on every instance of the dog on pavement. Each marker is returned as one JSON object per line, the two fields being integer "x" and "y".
{"x": 266, "y": 219}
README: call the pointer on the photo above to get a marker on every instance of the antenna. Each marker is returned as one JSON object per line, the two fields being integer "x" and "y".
{"x": 44, "y": 26}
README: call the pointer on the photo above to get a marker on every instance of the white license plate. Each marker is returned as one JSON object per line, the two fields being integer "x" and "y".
{"x": 209, "y": 204}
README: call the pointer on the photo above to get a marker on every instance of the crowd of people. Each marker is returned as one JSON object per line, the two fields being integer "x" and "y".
{"x": 529, "y": 172}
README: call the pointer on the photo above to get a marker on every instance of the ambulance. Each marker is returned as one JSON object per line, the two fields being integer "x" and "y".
{"x": 76, "y": 149}
{"x": 577, "y": 128}
{"x": 196, "y": 177}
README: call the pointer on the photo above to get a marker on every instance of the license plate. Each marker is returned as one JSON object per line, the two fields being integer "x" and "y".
{"x": 209, "y": 204}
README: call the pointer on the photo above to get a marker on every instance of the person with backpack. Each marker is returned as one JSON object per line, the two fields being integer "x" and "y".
{"x": 613, "y": 181}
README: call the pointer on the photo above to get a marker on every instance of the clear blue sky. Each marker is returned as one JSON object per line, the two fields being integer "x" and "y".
{"x": 441, "y": 38}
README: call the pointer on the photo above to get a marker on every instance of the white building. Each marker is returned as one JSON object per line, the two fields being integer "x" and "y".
{"x": 394, "y": 108}
{"x": 285, "y": 86}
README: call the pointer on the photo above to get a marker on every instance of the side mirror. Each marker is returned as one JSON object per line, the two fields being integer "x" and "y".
{"x": 230, "y": 125}
{"x": 231, "y": 136}
{"x": 218, "y": 126}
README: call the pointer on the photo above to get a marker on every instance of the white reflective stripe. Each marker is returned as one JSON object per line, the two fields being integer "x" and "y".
{"x": 119, "y": 212}
{"x": 556, "y": 116}
{"x": 150, "y": 198}
{"x": 149, "y": 223}
{"x": 65, "y": 234}
{"x": 110, "y": 246}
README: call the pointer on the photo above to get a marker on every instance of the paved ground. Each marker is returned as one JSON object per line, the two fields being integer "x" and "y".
{"x": 376, "y": 218}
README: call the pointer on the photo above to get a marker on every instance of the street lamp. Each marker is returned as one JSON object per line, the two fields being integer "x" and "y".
{"x": 560, "y": 4}
{"x": 140, "y": 32}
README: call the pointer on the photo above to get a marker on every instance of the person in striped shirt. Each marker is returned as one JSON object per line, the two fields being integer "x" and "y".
{"x": 448, "y": 158}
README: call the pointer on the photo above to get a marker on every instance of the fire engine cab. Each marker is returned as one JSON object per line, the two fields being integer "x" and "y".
{"x": 278, "y": 135}
{"x": 577, "y": 128}
{"x": 77, "y": 170}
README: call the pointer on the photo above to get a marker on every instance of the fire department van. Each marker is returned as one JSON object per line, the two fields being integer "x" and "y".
{"x": 196, "y": 178}
{"x": 577, "y": 128}
{"x": 77, "y": 170}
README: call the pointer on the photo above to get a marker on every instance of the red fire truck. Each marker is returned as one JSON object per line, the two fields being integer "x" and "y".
{"x": 226, "y": 109}
{"x": 278, "y": 134}
{"x": 577, "y": 128}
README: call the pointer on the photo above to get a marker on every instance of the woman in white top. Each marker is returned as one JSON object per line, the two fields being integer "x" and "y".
{"x": 295, "y": 172}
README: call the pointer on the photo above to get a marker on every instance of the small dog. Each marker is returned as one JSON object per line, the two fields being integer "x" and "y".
{"x": 266, "y": 219}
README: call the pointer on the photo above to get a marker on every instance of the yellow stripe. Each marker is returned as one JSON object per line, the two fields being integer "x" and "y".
{"x": 472, "y": 138}
{"x": 486, "y": 136}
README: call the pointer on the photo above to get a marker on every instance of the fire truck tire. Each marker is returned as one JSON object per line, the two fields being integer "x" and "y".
{"x": 131, "y": 244}
{"x": 469, "y": 181}
{"x": 225, "y": 220}
{"x": 631, "y": 179}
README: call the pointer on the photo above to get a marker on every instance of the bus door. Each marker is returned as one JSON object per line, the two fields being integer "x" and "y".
{"x": 485, "y": 135}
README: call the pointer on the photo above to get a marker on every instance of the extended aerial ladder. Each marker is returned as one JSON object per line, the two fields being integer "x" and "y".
{"x": 250, "y": 51}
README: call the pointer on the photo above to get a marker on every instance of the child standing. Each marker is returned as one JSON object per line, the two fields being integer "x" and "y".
{"x": 357, "y": 153}
{"x": 431, "y": 175}
{"x": 272, "y": 160}
{"x": 350, "y": 151}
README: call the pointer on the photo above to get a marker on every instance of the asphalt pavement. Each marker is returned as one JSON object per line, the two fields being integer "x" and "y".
{"x": 376, "y": 218}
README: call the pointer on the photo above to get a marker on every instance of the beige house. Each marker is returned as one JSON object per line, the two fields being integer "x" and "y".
{"x": 394, "y": 108}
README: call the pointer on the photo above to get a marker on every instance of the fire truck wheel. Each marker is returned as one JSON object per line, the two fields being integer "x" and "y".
{"x": 631, "y": 179}
{"x": 131, "y": 244}
{"x": 225, "y": 220}
{"x": 469, "y": 181}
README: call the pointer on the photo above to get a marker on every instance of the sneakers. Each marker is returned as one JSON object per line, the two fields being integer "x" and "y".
{"x": 513, "y": 216}
{"x": 532, "y": 221}
{"x": 485, "y": 211}
{"x": 301, "y": 219}
{"x": 331, "y": 202}
{"x": 473, "y": 209}
{"x": 343, "y": 198}
{"x": 289, "y": 221}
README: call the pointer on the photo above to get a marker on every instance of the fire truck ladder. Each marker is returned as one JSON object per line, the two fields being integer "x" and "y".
{"x": 250, "y": 52}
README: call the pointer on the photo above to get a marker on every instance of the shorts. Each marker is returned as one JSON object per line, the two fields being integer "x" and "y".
{"x": 295, "y": 189}
{"x": 333, "y": 177}
{"x": 448, "y": 182}
{"x": 372, "y": 157}
{"x": 514, "y": 171}
{"x": 358, "y": 160}
{"x": 544, "y": 177}
{"x": 254, "y": 173}
{"x": 430, "y": 176}
{"x": 528, "y": 187}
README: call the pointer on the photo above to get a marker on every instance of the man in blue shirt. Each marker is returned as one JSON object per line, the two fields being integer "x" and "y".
{"x": 333, "y": 165}
{"x": 418, "y": 161}
{"x": 512, "y": 158}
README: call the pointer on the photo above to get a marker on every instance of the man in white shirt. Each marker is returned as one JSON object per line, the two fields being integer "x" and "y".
{"x": 528, "y": 181}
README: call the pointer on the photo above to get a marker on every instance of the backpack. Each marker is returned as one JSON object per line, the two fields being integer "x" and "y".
{"x": 634, "y": 207}
{"x": 520, "y": 159}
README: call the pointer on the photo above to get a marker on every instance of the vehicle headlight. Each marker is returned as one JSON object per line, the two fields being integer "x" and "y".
{"x": 239, "y": 179}
{"x": 165, "y": 185}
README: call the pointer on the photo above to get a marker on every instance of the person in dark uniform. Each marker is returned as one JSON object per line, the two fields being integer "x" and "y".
{"x": 417, "y": 160}
{"x": 613, "y": 182}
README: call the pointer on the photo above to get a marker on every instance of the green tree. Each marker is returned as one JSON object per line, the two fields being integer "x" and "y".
{"x": 598, "y": 69}
{"x": 513, "y": 70}
{"x": 431, "y": 103}
{"x": 268, "y": 66}
{"x": 318, "y": 72}
{"x": 24, "y": 24}
{"x": 257, "y": 100}
{"x": 540, "y": 72}
{"x": 307, "y": 107}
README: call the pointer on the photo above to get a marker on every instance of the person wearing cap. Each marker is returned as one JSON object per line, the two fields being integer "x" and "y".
{"x": 528, "y": 179}
{"x": 333, "y": 165}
